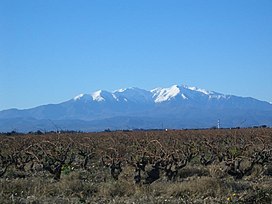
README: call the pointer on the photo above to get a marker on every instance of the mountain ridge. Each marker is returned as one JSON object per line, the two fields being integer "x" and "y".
{"x": 178, "y": 106}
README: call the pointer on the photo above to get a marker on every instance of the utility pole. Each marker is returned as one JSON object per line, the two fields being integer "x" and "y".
{"x": 218, "y": 124}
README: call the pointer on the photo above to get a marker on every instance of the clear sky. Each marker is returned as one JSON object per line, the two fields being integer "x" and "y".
{"x": 53, "y": 50}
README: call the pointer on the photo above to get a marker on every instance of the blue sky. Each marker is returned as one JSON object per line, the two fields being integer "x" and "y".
{"x": 51, "y": 51}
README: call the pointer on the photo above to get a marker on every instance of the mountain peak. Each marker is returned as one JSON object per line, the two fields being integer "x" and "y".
{"x": 83, "y": 97}
{"x": 133, "y": 94}
{"x": 78, "y": 97}
{"x": 127, "y": 89}
{"x": 97, "y": 96}
{"x": 192, "y": 88}
{"x": 165, "y": 94}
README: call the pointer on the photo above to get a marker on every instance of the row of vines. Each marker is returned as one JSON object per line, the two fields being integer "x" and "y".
{"x": 140, "y": 158}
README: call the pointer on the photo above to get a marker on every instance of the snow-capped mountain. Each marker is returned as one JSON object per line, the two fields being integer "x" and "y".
{"x": 157, "y": 95}
{"x": 122, "y": 95}
{"x": 174, "y": 107}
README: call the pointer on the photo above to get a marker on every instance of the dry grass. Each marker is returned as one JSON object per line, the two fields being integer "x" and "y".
{"x": 205, "y": 186}
{"x": 194, "y": 189}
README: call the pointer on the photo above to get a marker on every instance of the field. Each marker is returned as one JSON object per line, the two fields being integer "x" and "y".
{"x": 181, "y": 166}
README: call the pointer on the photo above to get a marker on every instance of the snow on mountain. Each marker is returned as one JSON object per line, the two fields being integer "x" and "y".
{"x": 157, "y": 95}
{"x": 198, "y": 90}
{"x": 133, "y": 94}
{"x": 165, "y": 94}
{"x": 97, "y": 96}
{"x": 184, "y": 92}
{"x": 83, "y": 97}
{"x": 78, "y": 97}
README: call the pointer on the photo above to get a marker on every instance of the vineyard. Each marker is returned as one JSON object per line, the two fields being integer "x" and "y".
{"x": 174, "y": 166}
